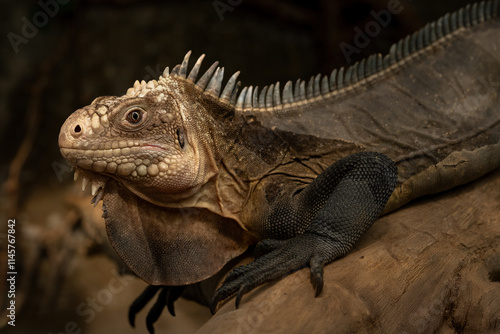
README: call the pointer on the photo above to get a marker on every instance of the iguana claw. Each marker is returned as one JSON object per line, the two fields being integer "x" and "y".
{"x": 156, "y": 310}
{"x": 140, "y": 302}
{"x": 167, "y": 296}
{"x": 282, "y": 258}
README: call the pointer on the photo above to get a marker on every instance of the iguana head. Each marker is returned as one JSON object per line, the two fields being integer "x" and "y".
{"x": 145, "y": 139}
{"x": 151, "y": 155}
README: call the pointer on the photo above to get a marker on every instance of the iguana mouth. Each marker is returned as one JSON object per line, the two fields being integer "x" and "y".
{"x": 96, "y": 173}
{"x": 97, "y": 183}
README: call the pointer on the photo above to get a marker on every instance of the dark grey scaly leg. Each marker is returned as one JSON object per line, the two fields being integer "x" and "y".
{"x": 332, "y": 213}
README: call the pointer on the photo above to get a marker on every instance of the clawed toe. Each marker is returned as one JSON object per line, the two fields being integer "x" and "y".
{"x": 166, "y": 298}
{"x": 317, "y": 280}
{"x": 140, "y": 302}
{"x": 285, "y": 258}
{"x": 156, "y": 310}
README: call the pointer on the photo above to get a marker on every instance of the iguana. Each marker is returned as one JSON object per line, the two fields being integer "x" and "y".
{"x": 191, "y": 174}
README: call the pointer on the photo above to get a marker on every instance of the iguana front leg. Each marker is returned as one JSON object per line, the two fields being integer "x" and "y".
{"x": 333, "y": 211}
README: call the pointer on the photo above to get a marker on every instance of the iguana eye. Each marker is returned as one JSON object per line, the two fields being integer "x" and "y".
{"x": 134, "y": 116}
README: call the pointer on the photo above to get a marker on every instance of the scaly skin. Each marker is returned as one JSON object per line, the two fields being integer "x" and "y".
{"x": 192, "y": 174}
{"x": 142, "y": 141}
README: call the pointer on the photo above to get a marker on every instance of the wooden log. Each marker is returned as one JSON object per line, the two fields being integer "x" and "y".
{"x": 430, "y": 267}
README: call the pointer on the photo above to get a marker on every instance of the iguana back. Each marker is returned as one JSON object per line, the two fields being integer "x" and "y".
{"x": 432, "y": 104}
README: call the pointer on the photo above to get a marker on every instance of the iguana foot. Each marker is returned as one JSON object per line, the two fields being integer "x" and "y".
{"x": 167, "y": 296}
{"x": 279, "y": 258}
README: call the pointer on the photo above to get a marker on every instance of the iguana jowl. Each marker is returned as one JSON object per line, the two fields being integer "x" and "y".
{"x": 191, "y": 173}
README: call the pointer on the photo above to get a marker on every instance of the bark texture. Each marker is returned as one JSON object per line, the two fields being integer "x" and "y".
{"x": 430, "y": 267}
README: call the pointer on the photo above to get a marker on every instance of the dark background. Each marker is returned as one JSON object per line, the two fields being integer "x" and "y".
{"x": 90, "y": 48}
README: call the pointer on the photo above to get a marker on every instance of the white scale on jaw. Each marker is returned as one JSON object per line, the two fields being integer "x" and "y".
{"x": 97, "y": 187}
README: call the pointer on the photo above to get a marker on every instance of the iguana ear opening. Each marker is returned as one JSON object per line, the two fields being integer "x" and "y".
{"x": 165, "y": 246}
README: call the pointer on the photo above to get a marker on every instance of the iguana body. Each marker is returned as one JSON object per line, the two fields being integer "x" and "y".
{"x": 192, "y": 174}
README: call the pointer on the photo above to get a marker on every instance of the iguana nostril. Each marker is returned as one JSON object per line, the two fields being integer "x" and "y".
{"x": 76, "y": 130}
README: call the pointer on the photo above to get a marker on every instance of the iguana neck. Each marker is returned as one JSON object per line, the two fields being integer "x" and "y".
{"x": 219, "y": 130}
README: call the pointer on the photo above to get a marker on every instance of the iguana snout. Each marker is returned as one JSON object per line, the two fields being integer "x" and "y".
{"x": 141, "y": 139}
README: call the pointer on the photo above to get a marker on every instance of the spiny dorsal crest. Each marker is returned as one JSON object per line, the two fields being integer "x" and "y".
{"x": 271, "y": 98}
